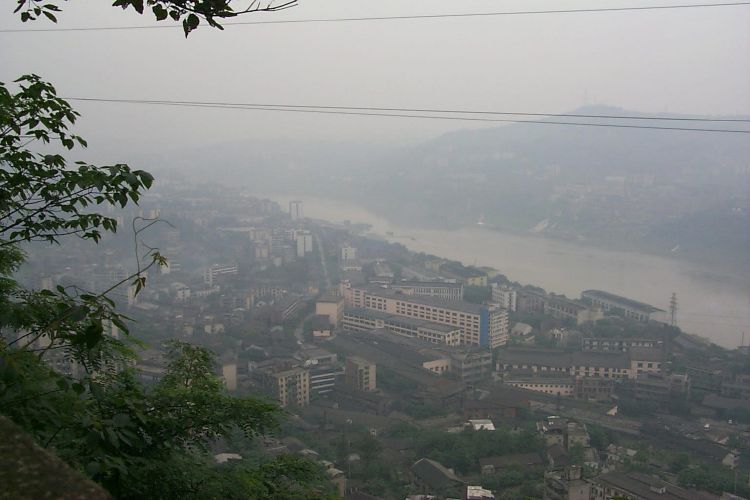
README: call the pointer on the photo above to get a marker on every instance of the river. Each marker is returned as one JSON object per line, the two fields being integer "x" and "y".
{"x": 711, "y": 303}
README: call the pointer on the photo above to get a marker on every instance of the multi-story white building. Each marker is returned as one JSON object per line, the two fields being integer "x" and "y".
{"x": 504, "y": 296}
{"x": 485, "y": 326}
{"x": 304, "y": 242}
{"x": 210, "y": 274}
{"x": 295, "y": 210}
{"x": 437, "y": 289}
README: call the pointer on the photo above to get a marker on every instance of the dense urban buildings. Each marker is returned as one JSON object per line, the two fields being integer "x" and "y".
{"x": 364, "y": 341}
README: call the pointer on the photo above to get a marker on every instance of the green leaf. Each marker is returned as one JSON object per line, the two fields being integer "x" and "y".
{"x": 93, "y": 468}
{"x": 78, "y": 313}
{"x": 160, "y": 12}
{"x": 121, "y": 420}
{"x": 190, "y": 23}
{"x": 137, "y": 5}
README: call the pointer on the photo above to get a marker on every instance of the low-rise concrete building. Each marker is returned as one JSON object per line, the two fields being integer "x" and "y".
{"x": 618, "y": 344}
{"x": 563, "y": 387}
{"x": 548, "y": 362}
{"x": 558, "y": 306}
{"x": 640, "y": 486}
{"x": 627, "y": 307}
{"x": 567, "y": 484}
{"x": 472, "y": 365}
{"x": 437, "y": 289}
{"x": 360, "y": 319}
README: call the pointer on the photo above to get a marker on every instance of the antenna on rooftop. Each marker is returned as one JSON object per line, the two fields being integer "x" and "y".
{"x": 673, "y": 310}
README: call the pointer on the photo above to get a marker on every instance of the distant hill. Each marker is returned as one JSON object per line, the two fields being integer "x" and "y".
{"x": 624, "y": 188}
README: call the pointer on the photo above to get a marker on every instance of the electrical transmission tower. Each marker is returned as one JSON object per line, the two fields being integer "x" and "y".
{"x": 673, "y": 310}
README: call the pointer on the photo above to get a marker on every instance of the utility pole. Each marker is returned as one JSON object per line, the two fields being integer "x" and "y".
{"x": 673, "y": 310}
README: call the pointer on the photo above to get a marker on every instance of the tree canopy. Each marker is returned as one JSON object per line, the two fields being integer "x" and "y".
{"x": 189, "y": 12}
{"x": 72, "y": 385}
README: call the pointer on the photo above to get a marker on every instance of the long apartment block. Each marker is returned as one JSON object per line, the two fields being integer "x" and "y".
{"x": 436, "y": 289}
{"x": 360, "y": 319}
{"x": 481, "y": 325}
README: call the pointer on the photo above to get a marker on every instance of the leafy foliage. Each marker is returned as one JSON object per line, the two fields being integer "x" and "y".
{"x": 189, "y": 12}
{"x": 139, "y": 442}
{"x": 116, "y": 429}
{"x": 40, "y": 197}
{"x": 461, "y": 451}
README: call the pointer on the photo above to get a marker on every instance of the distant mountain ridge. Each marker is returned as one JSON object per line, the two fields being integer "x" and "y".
{"x": 634, "y": 189}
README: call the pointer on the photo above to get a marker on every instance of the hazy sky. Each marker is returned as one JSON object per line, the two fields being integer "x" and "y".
{"x": 691, "y": 61}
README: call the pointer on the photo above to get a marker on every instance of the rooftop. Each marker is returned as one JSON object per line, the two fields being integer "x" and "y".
{"x": 649, "y": 487}
{"x": 359, "y": 361}
{"x": 399, "y": 347}
{"x": 329, "y": 297}
{"x": 316, "y": 353}
{"x": 428, "y": 284}
{"x": 434, "y": 474}
{"x": 561, "y": 359}
{"x": 626, "y": 302}
{"x": 603, "y": 359}
{"x": 535, "y": 356}
{"x": 402, "y": 320}
{"x": 646, "y": 354}
{"x": 462, "y": 306}
{"x": 482, "y": 424}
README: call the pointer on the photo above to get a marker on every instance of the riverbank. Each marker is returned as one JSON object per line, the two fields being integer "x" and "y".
{"x": 712, "y": 303}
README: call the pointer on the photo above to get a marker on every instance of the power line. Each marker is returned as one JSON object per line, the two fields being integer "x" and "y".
{"x": 401, "y": 115}
{"x": 415, "y": 110}
{"x": 399, "y": 18}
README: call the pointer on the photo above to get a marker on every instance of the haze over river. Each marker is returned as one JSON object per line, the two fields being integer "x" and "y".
{"x": 712, "y": 303}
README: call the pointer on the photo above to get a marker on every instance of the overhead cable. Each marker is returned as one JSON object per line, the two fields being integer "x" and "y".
{"x": 353, "y": 112}
{"x": 395, "y": 18}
